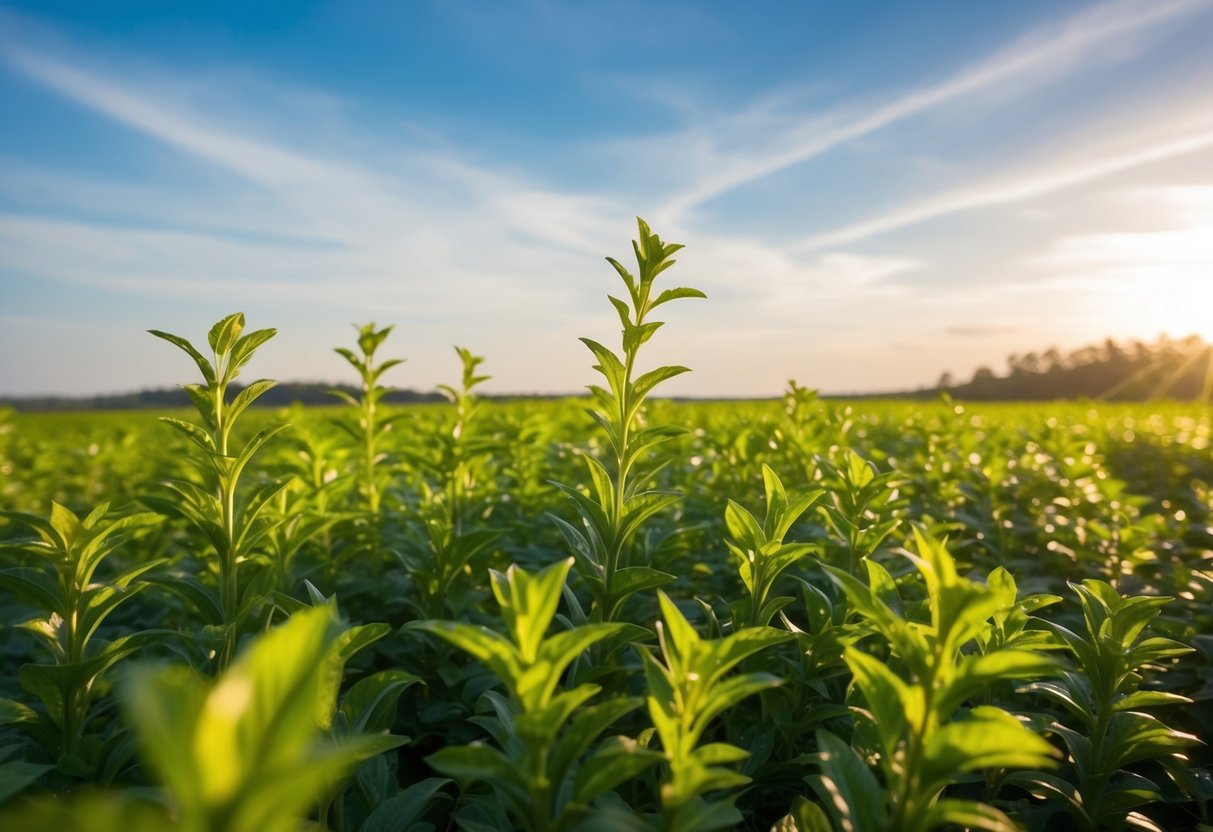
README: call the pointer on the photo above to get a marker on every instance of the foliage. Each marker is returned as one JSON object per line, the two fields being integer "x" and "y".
{"x": 233, "y": 523}
{"x": 445, "y": 540}
{"x": 861, "y": 511}
{"x": 762, "y": 556}
{"x": 687, "y": 689}
{"x": 618, "y": 502}
{"x": 372, "y": 423}
{"x": 541, "y": 729}
{"x": 811, "y": 625}
{"x": 60, "y": 583}
{"x": 908, "y": 719}
{"x": 1111, "y": 727}
{"x": 249, "y": 752}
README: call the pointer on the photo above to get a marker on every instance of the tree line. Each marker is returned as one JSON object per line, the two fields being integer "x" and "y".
{"x": 1170, "y": 368}
{"x": 1180, "y": 369}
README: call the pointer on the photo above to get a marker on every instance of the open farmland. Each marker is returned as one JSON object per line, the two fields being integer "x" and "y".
{"x": 345, "y": 488}
{"x": 802, "y": 614}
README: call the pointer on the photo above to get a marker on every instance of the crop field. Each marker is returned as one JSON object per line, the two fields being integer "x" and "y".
{"x": 618, "y": 612}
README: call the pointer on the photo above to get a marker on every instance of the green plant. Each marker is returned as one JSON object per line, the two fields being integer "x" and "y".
{"x": 310, "y": 506}
{"x": 539, "y": 769}
{"x": 806, "y": 428}
{"x": 908, "y": 718}
{"x": 232, "y": 522}
{"x": 372, "y": 423}
{"x": 297, "y": 521}
{"x": 252, "y": 751}
{"x": 1012, "y": 625}
{"x": 762, "y": 556}
{"x": 464, "y": 450}
{"x": 861, "y": 510}
{"x": 1113, "y": 730}
{"x": 445, "y": 544}
{"x": 687, "y": 690}
{"x": 62, "y": 583}
{"x": 618, "y": 503}
{"x": 368, "y": 707}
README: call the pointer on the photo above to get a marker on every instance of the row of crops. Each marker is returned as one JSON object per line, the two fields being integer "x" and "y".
{"x": 799, "y": 615}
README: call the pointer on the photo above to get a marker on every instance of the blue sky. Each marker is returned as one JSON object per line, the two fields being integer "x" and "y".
{"x": 870, "y": 193}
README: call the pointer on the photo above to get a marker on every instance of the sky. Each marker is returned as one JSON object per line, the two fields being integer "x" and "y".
{"x": 870, "y": 193}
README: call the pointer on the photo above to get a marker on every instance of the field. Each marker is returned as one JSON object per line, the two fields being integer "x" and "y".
{"x": 801, "y": 614}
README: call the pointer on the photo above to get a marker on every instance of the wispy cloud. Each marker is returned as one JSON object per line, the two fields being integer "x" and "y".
{"x": 1179, "y": 250}
{"x": 1088, "y": 36}
{"x": 980, "y": 330}
{"x": 384, "y": 226}
{"x": 1022, "y": 187}
{"x": 256, "y": 161}
{"x": 330, "y": 197}
{"x": 315, "y": 214}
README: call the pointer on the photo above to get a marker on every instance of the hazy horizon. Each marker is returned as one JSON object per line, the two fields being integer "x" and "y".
{"x": 870, "y": 195}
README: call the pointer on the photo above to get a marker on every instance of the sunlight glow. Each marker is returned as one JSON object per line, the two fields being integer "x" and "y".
{"x": 1153, "y": 282}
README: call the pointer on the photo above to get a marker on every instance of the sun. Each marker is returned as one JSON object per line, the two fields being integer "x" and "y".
{"x": 1162, "y": 283}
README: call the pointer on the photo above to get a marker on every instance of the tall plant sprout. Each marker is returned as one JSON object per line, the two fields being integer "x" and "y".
{"x": 618, "y": 503}
{"x": 231, "y": 519}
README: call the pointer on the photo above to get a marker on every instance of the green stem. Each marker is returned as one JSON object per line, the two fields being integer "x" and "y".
{"x": 369, "y": 416}
{"x": 907, "y": 812}
{"x": 615, "y": 555}
{"x": 757, "y": 597}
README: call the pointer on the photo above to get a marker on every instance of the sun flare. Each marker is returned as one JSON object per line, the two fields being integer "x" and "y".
{"x": 1151, "y": 283}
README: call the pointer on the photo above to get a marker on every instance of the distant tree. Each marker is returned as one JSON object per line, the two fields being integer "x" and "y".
{"x": 1052, "y": 360}
{"x": 1135, "y": 371}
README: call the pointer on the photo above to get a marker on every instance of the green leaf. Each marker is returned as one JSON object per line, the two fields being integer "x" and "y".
{"x": 676, "y": 294}
{"x": 18, "y": 775}
{"x": 805, "y": 816}
{"x": 208, "y": 372}
{"x": 493, "y": 649}
{"x": 617, "y": 760}
{"x": 585, "y": 727}
{"x": 847, "y": 787}
{"x": 246, "y": 345}
{"x": 968, "y": 814}
{"x": 247, "y": 396}
{"x": 976, "y": 673}
{"x": 1149, "y": 699}
{"x": 480, "y": 762}
{"x": 246, "y": 752}
{"x": 894, "y": 704}
{"x": 163, "y": 706}
{"x": 609, "y": 365}
{"x": 331, "y": 670}
{"x": 558, "y": 651}
{"x": 642, "y": 386}
{"x": 735, "y": 648}
{"x": 399, "y": 812}
{"x": 192, "y": 432}
{"x": 252, "y": 446}
{"x": 743, "y": 527}
{"x": 528, "y": 603}
{"x": 1048, "y": 787}
{"x": 702, "y": 816}
{"x": 223, "y": 334}
{"x": 370, "y": 705}
{"x": 12, "y": 712}
{"x": 33, "y": 586}
{"x": 632, "y": 579}
{"x": 987, "y": 738}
